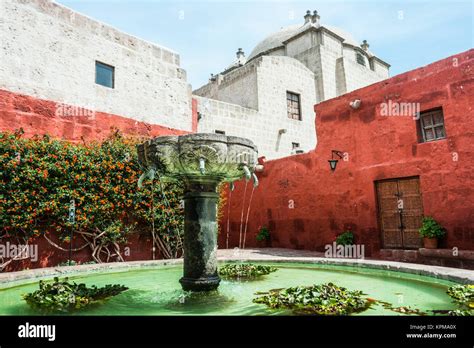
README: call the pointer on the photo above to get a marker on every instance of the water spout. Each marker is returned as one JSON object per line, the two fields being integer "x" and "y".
{"x": 242, "y": 215}
{"x": 247, "y": 172}
{"x": 231, "y": 188}
{"x": 202, "y": 165}
{"x": 255, "y": 180}
{"x": 247, "y": 218}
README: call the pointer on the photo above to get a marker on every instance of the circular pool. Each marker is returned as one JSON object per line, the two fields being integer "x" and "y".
{"x": 156, "y": 291}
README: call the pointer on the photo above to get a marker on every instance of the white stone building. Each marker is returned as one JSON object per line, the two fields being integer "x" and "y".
{"x": 290, "y": 70}
{"x": 50, "y": 52}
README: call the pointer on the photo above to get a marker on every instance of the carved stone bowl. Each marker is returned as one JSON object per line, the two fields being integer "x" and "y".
{"x": 201, "y": 156}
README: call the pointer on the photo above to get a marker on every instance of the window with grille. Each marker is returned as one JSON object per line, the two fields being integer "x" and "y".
{"x": 431, "y": 125}
{"x": 293, "y": 105}
{"x": 360, "y": 59}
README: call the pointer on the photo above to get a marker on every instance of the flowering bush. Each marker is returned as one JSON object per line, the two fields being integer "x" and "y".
{"x": 40, "y": 177}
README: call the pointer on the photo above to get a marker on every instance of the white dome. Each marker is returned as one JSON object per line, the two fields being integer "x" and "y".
{"x": 276, "y": 39}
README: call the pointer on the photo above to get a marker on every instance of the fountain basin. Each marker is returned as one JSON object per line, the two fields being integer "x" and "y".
{"x": 154, "y": 288}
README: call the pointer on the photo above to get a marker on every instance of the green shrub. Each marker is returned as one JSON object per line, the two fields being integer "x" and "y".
{"x": 39, "y": 177}
{"x": 247, "y": 270}
{"x": 346, "y": 238}
{"x": 431, "y": 228}
{"x": 63, "y": 296}
{"x": 323, "y": 299}
{"x": 263, "y": 234}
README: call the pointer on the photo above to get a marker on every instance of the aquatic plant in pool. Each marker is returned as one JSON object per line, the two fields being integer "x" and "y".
{"x": 244, "y": 270}
{"x": 64, "y": 296}
{"x": 322, "y": 299}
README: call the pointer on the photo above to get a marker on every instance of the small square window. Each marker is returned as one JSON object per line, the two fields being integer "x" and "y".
{"x": 295, "y": 146}
{"x": 293, "y": 106}
{"x": 431, "y": 125}
{"x": 104, "y": 74}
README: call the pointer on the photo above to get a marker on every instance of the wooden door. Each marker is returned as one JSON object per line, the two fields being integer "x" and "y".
{"x": 400, "y": 212}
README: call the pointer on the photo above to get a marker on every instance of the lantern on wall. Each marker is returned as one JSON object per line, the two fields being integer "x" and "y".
{"x": 333, "y": 161}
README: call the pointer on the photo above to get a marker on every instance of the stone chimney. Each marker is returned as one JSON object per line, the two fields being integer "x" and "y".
{"x": 364, "y": 45}
{"x": 240, "y": 54}
{"x": 315, "y": 18}
{"x": 241, "y": 59}
{"x": 307, "y": 17}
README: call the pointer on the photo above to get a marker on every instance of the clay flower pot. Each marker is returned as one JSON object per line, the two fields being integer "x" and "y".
{"x": 266, "y": 243}
{"x": 430, "y": 243}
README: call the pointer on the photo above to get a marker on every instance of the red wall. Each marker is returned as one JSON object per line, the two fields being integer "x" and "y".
{"x": 380, "y": 147}
{"x": 39, "y": 116}
{"x": 138, "y": 247}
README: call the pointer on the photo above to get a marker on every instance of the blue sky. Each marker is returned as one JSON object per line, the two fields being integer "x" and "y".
{"x": 206, "y": 34}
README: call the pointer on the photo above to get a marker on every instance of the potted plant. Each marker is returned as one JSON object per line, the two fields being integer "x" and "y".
{"x": 431, "y": 231}
{"x": 263, "y": 237}
{"x": 345, "y": 238}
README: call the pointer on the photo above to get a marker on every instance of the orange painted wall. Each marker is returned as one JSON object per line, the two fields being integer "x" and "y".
{"x": 380, "y": 147}
{"x": 39, "y": 116}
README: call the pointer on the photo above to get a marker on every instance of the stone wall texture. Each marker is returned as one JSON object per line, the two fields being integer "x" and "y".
{"x": 49, "y": 52}
{"x": 305, "y": 205}
{"x": 270, "y": 77}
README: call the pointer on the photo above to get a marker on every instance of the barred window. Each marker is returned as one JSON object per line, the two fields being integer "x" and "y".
{"x": 431, "y": 124}
{"x": 293, "y": 105}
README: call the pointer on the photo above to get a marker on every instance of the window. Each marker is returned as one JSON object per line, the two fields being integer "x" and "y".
{"x": 295, "y": 146}
{"x": 431, "y": 125}
{"x": 293, "y": 105}
{"x": 104, "y": 74}
{"x": 360, "y": 59}
{"x": 219, "y": 132}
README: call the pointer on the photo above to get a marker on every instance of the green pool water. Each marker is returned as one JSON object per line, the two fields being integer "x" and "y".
{"x": 156, "y": 291}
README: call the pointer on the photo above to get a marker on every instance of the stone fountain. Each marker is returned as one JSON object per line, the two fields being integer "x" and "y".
{"x": 201, "y": 161}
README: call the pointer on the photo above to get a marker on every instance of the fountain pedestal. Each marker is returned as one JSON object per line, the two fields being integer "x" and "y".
{"x": 200, "y": 237}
